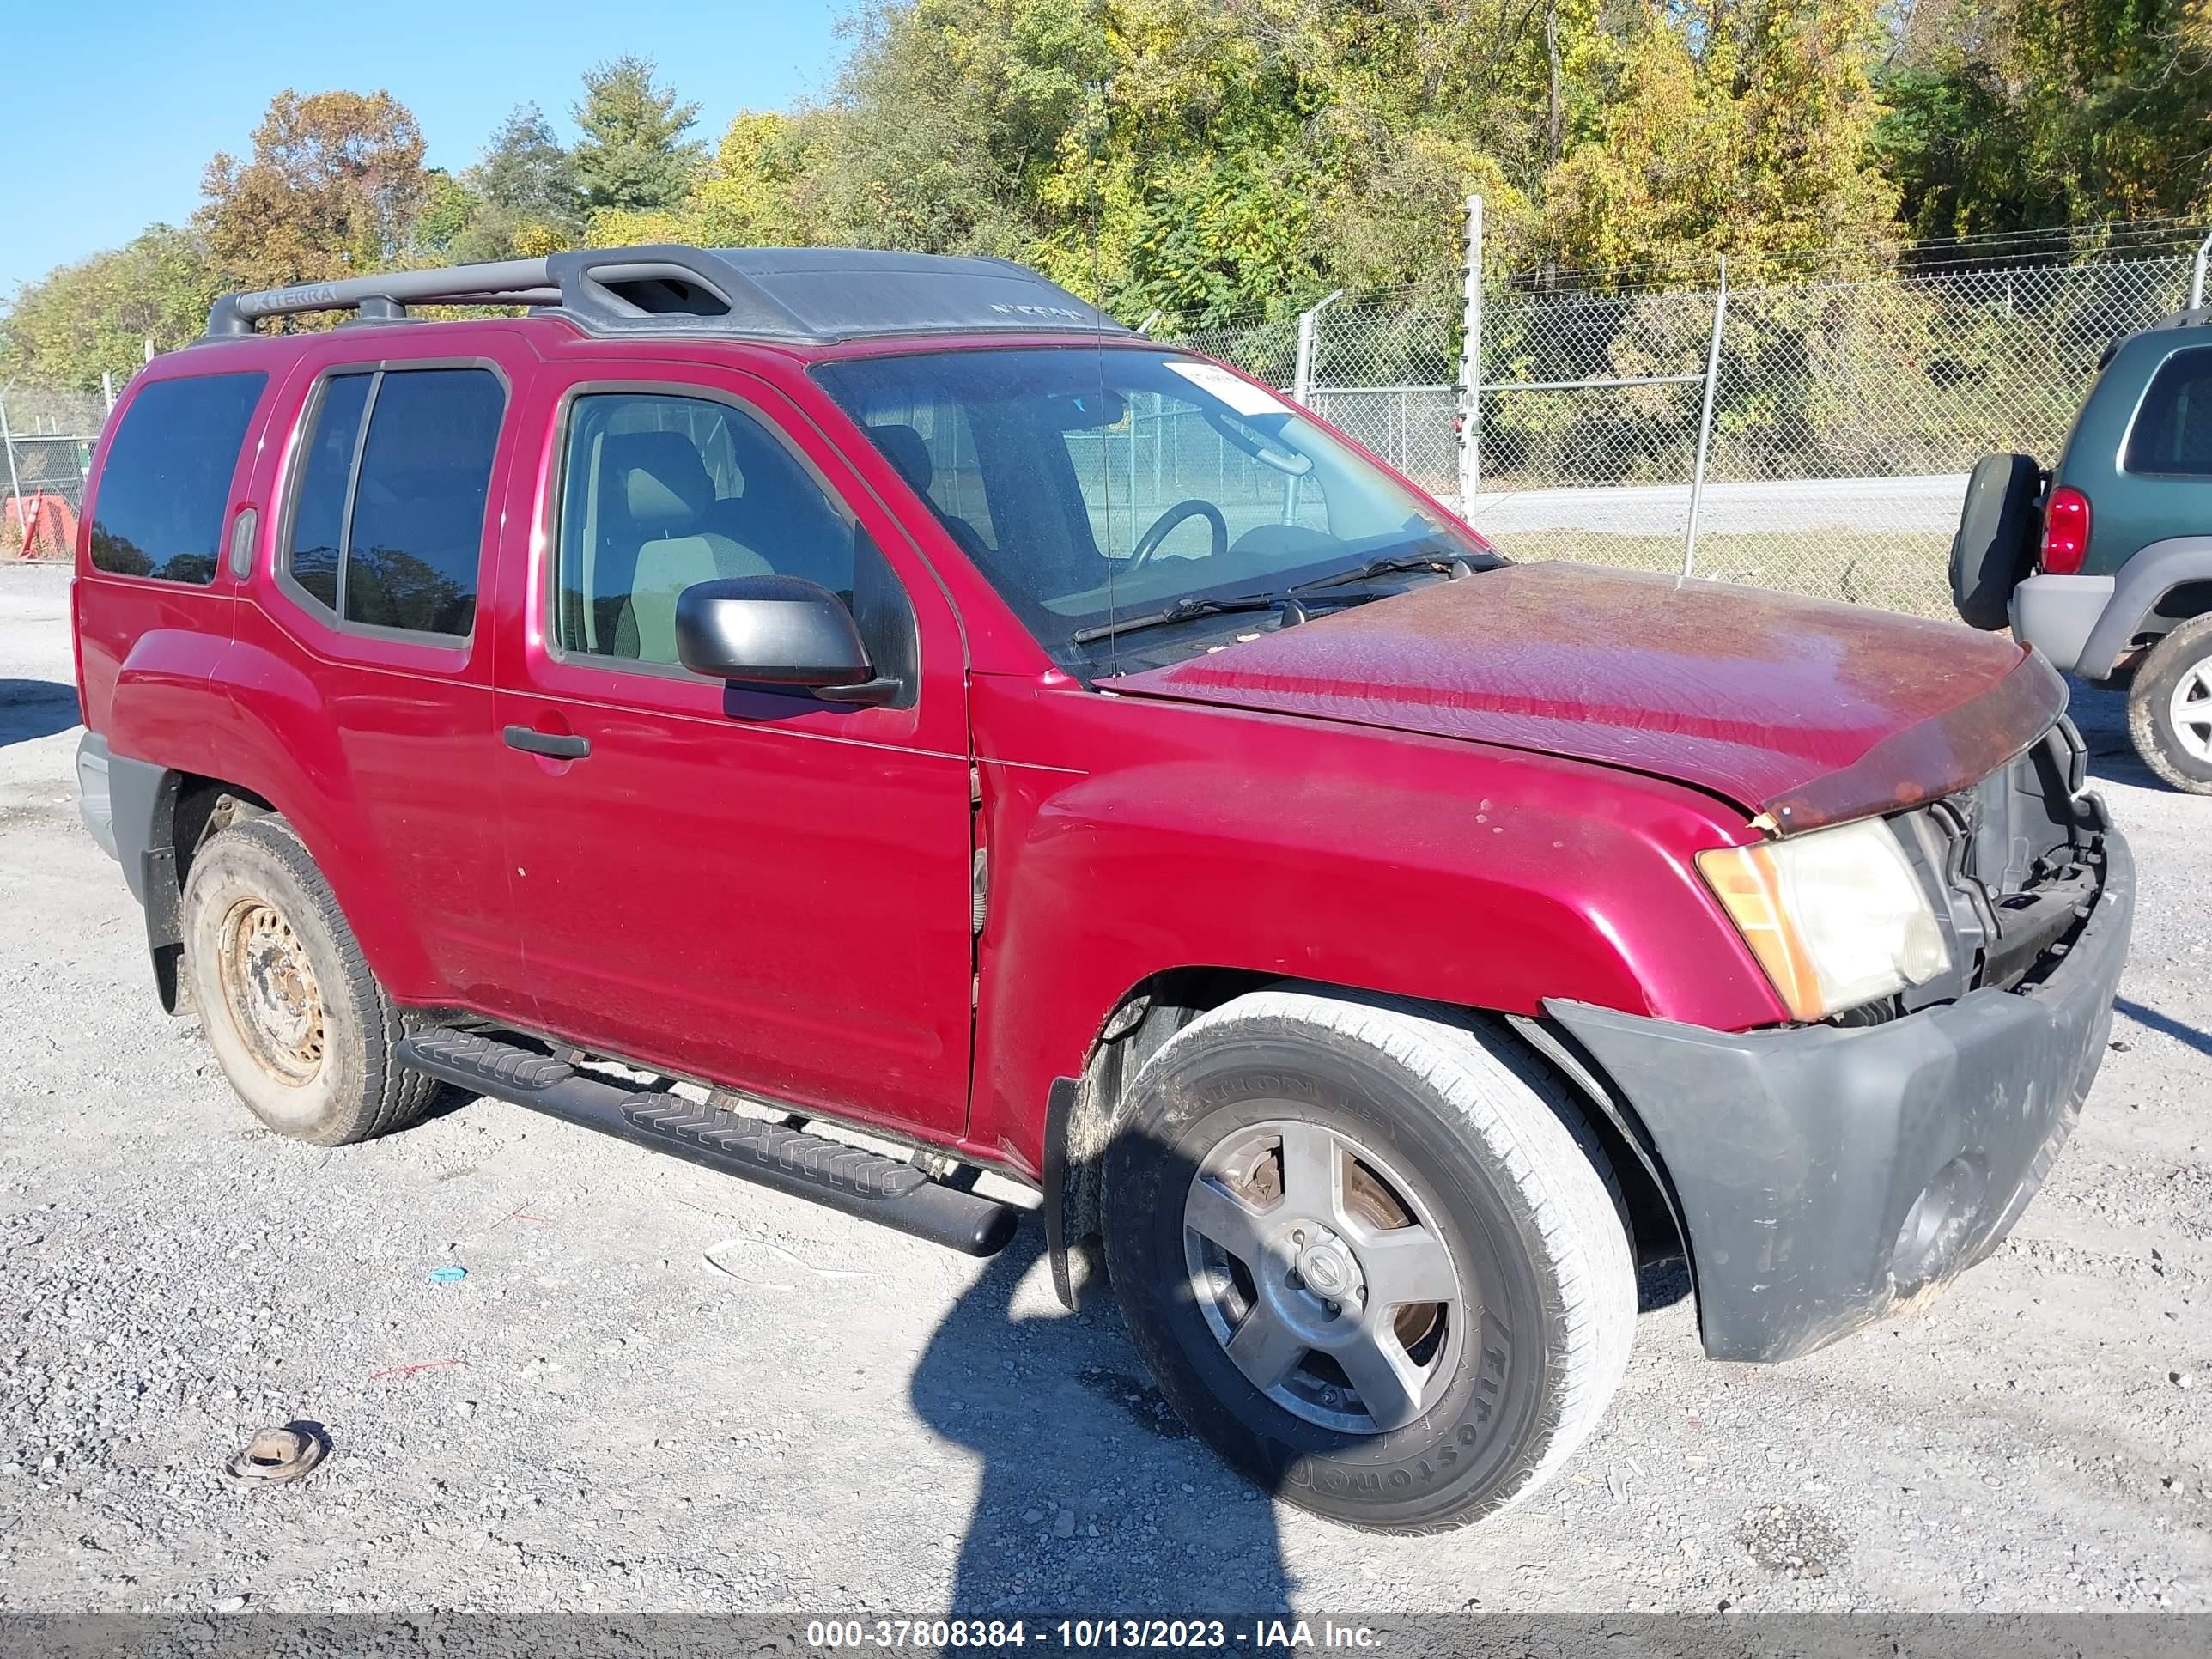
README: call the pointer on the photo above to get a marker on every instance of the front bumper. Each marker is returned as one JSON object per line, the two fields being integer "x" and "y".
{"x": 95, "y": 804}
{"x": 1824, "y": 1175}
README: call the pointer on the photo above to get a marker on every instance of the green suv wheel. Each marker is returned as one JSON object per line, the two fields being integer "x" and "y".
{"x": 2169, "y": 708}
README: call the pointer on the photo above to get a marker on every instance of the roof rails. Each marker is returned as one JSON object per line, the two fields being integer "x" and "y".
{"x": 386, "y": 295}
{"x": 803, "y": 296}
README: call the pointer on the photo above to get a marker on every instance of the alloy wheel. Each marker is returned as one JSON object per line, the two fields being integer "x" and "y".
{"x": 1323, "y": 1277}
{"x": 2189, "y": 710}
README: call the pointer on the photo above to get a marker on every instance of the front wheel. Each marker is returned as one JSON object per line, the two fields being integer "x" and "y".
{"x": 2169, "y": 708}
{"x": 1372, "y": 1254}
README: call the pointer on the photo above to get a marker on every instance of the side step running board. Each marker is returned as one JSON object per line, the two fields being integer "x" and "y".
{"x": 864, "y": 1184}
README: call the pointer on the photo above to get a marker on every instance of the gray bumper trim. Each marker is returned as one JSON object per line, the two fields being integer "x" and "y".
{"x": 93, "y": 804}
{"x": 140, "y": 796}
{"x": 1825, "y": 1175}
{"x": 2056, "y": 615}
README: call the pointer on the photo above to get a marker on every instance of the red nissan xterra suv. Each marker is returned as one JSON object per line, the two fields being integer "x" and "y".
{"x": 979, "y": 752}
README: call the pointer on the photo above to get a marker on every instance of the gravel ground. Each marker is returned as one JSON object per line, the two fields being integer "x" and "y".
{"x": 660, "y": 1389}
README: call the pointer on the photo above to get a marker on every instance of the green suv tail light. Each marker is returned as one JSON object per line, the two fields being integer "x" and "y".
{"x": 2065, "y": 530}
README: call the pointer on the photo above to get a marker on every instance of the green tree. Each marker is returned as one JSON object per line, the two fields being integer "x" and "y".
{"x": 633, "y": 155}
{"x": 760, "y": 190}
{"x": 520, "y": 200}
{"x": 95, "y": 316}
{"x": 1953, "y": 142}
{"x": 331, "y": 190}
{"x": 524, "y": 172}
{"x": 448, "y": 210}
{"x": 2019, "y": 114}
{"x": 1747, "y": 134}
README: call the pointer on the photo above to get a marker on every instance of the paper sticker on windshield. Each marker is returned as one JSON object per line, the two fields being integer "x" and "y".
{"x": 1240, "y": 395}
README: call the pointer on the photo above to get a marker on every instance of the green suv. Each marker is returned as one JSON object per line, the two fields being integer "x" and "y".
{"x": 2105, "y": 563}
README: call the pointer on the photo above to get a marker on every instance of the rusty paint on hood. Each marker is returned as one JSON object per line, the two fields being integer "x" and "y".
{"x": 1808, "y": 711}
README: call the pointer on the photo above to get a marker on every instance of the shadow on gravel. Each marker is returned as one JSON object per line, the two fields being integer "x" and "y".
{"x": 1085, "y": 1503}
{"x": 36, "y": 708}
{"x": 1661, "y": 1282}
{"x": 2150, "y": 1019}
{"x": 2100, "y": 712}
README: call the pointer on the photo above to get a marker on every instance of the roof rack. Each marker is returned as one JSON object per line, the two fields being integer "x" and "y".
{"x": 803, "y": 296}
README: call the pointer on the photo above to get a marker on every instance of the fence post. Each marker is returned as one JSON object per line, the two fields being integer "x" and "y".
{"x": 2196, "y": 277}
{"x": 1301, "y": 369}
{"x": 7, "y": 443}
{"x": 108, "y": 388}
{"x": 1301, "y": 383}
{"x": 1705, "y": 422}
{"x": 1470, "y": 366}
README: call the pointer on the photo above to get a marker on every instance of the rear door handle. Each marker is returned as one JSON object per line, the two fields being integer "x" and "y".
{"x": 557, "y": 745}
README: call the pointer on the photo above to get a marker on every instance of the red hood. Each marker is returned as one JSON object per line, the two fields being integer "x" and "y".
{"x": 1809, "y": 711}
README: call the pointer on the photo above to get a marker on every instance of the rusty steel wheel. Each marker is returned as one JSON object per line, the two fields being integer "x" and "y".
{"x": 287, "y": 1001}
{"x": 270, "y": 991}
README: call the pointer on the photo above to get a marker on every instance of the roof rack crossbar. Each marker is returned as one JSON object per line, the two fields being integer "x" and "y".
{"x": 485, "y": 284}
{"x": 520, "y": 296}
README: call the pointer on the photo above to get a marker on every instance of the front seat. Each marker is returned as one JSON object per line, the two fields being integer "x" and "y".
{"x": 906, "y": 449}
{"x": 663, "y": 490}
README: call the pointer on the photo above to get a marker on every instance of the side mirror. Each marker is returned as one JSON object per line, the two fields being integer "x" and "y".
{"x": 777, "y": 631}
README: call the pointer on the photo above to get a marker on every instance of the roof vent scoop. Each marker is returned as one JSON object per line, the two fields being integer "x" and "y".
{"x": 674, "y": 293}
{"x": 671, "y": 295}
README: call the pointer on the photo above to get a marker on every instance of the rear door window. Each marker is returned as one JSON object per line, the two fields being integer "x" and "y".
{"x": 319, "y": 520}
{"x": 165, "y": 483}
{"x": 387, "y": 524}
{"x": 2172, "y": 430}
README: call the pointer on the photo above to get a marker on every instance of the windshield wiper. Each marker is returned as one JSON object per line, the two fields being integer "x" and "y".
{"x": 1451, "y": 565}
{"x": 1180, "y": 611}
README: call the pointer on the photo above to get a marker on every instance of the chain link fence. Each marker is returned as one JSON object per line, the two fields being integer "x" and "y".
{"x": 45, "y": 447}
{"x": 1844, "y": 415}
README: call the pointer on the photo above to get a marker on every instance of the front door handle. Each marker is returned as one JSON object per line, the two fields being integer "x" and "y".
{"x": 559, "y": 744}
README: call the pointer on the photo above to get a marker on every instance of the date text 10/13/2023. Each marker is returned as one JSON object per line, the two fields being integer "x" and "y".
{"x": 1254, "y": 1635}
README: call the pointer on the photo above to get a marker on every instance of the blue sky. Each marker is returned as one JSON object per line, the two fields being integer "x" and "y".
{"x": 121, "y": 102}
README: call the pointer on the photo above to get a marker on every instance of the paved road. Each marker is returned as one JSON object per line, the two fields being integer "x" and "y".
{"x": 1923, "y": 505}
{"x": 660, "y": 1389}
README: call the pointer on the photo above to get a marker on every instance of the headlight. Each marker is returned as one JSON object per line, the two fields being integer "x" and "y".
{"x": 1836, "y": 917}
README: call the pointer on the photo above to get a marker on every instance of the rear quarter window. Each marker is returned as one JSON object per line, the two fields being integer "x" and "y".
{"x": 2172, "y": 430}
{"x": 165, "y": 481}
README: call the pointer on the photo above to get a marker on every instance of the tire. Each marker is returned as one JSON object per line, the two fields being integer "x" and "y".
{"x": 1476, "y": 1150}
{"x": 1994, "y": 546}
{"x": 2169, "y": 708}
{"x": 310, "y": 1053}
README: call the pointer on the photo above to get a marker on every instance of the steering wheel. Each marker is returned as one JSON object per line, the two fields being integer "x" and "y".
{"x": 1168, "y": 520}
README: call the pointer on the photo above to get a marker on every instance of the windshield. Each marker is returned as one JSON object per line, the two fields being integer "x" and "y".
{"x": 1098, "y": 487}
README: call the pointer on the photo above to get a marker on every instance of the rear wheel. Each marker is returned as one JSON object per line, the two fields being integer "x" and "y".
{"x": 2169, "y": 708}
{"x": 297, "y": 1022}
{"x": 1371, "y": 1254}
